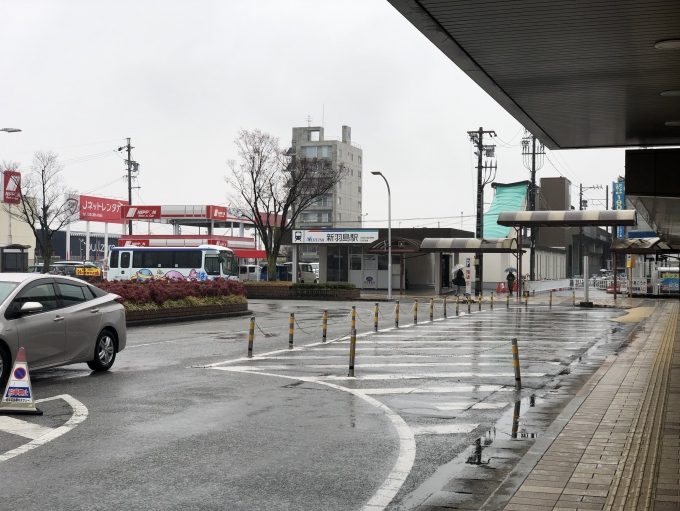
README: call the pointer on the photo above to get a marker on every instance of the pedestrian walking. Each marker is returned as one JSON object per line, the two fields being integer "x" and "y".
{"x": 459, "y": 280}
{"x": 511, "y": 281}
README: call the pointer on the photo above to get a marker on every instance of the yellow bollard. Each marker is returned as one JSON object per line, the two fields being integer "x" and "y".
{"x": 457, "y": 304}
{"x": 352, "y": 343}
{"x": 480, "y": 301}
{"x": 291, "y": 327}
{"x": 396, "y": 315}
{"x": 431, "y": 309}
{"x": 415, "y": 313}
{"x": 325, "y": 325}
{"x": 507, "y": 300}
{"x": 469, "y": 301}
{"x": 515, "y": 363}
{"x": 492, "y": 299}
{"x": 444, "y": 306}
{"x": 375, "y": 318}
{"x": 251, "y": 337}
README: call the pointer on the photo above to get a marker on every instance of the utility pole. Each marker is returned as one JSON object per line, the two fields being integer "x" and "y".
{"x": 583, "y": 204}
{"x": 483, "y": 177}
{"x": 132, "y": 166}
{"x": 531, "y": 164}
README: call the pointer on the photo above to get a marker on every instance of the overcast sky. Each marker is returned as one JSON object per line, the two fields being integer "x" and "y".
{"x": 181, "y": 78}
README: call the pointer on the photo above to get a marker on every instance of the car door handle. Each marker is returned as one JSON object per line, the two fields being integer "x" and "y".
{"x": 58, "y": 319}
{"x": 94, "y": 311}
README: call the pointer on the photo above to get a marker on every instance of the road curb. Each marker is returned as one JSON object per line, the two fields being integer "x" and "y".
{"x": 182, "y": 319}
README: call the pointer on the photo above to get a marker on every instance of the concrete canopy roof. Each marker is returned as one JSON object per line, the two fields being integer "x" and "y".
{"x": 567, "y": 218}
{"x": 576, "y": 74}
{"x": 478, "y": 246}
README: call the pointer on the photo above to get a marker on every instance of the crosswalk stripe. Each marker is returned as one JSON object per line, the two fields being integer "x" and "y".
{"x": 22, "y": 428}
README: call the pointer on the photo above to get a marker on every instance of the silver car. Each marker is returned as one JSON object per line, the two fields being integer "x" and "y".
{"x": 58, "y": 320}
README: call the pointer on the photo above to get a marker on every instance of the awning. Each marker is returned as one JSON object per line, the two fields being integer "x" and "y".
{"x": 640, "y": 246}
{"x": 484, "y": 246}
{"x": 244, "y": 253}
{"x": 567, "y": 218}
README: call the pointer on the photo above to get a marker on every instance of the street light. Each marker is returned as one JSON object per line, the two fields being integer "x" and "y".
{"x": 389, "y": 236}
{"x": 363, "y": 215}
{"x": 9, "y": 207}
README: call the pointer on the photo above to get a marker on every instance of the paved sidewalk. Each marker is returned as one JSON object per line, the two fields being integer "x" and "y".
{"x": 621, "y": 449}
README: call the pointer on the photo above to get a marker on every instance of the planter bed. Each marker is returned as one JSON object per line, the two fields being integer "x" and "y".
{"x": 175, "y": 314}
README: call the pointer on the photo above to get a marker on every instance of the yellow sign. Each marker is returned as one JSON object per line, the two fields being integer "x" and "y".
{"x": 88, "y": 272}
{"x": 630, "y": 261}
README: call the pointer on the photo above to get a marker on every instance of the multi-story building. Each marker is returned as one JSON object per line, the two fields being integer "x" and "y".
{"x": 341, "y": 209}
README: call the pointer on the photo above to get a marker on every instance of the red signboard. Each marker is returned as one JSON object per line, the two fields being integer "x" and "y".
{"x": 217, "y": 213}
{"x": 141, "y": 212}
{"x": 100, "y": 209}
{"x": 12, "y": 187}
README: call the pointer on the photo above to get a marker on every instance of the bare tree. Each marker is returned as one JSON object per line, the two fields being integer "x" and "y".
{"x": 271, "y": 187}
{"x": 43, "y": 203}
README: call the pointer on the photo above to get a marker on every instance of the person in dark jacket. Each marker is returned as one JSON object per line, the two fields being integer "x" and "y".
{"x": 511, "y": 281}
{"x": 459, "y": 280}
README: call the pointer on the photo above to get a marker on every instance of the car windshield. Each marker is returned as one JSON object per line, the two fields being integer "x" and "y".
{"x": 5, "y": 289}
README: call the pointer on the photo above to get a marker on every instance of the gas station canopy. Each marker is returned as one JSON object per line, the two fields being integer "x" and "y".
{"x": 478, "y": 246}
{"x": 567, "y": 218}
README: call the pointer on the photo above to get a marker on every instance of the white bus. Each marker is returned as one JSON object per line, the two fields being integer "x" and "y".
{"x": 205, "y": 262}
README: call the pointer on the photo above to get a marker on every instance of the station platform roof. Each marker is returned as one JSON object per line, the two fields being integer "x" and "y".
{"x": 483, "y": 246}
{"x": 567, "y": 218}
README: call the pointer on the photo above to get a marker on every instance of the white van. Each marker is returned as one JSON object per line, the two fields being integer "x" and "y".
{"x": 248, "y": 272}
{"x": 306, "y": 273}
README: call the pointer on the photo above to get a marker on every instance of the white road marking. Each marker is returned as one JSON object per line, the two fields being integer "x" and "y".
{"x": 454, "y": 406}
{"x": 489, "y": 406}
{"x": 407, "y": 444}
{"x": 443, "y": 429}
{"x": 435, "y": 390}
{"x": 22, "y": 428}
{"x": 79, "y": 415}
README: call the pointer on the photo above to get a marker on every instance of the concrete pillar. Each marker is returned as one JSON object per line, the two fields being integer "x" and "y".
{"x": 323, "y": 263}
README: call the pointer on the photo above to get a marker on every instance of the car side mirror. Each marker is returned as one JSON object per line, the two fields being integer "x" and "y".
{"x": 28, "y": 308}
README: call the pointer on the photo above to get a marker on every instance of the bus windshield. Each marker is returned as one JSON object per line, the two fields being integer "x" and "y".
{"x": 229, "y": 264}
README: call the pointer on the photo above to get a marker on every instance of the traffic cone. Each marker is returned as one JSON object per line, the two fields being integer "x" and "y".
{"x": 18, "y": 396}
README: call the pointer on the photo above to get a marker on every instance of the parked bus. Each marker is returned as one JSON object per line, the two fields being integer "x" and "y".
{"x": 205, "y": 262}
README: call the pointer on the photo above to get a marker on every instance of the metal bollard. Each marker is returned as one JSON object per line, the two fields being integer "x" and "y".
{"x": 415, "y": 313}
{"x": 492, "y": 299}
{"x": 291, "y": 327}
{"x": 431, "y": 309}
{"x": 457, "y": 304}
{"x": 354, "y": 317}
{"x": 515, "y": 363}
{"x": 325, "y": 326}
{"x": 444, "y": 306}
{"x": 375, "y": 318}
{"x": 352, "y": 347}
{"x": 396, "y": 315}
{"x": 573, "y": 298}
{"x": 507, "y": 300}
{"x": 251, "y": 337}
{"x": 526, "y": 300}
{"x": 550, "y": 301}
{"x": 480, "y": 301}
{"x": 469, "y": 301}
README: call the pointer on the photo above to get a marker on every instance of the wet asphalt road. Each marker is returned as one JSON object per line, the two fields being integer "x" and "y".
{"x": 184, "y": 421}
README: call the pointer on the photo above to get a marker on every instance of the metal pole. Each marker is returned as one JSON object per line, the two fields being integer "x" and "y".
{"x": 251, "y": 337}
{"x": 515, "y": 363}
{"x": 532, "y": 207}
{"x": 325, "y": 325}
{"x": 457, "y": 304}
{"x": 415, "y": 312}
{"x": 586, "y": 294}
{"x": 479, "y": 227}
{"x": 389, "y": 241}
{"x": 491, "y": 300}
{"x": 469, "y": 301}
{"x": 291, "y": 327}
{"x": 396, "y": 315}
{"x": 573, "y": 298}
{"x": 375, "y": 318}
{"x": 515, "y": 419}
{"x": 480, "y": 301}
{"x": 518, "y": 281}
{"x": 444, "y": 306}
{"x": 550, "y": 299}
{"x": 507, "y": 300}
{"x": 431, "y": 309}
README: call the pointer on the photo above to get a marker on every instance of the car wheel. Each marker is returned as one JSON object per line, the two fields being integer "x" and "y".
{"x": 5, "y": 367}
{"x": 104, "y": 352}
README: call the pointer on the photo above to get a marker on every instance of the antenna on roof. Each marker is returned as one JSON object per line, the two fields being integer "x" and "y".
{"x": 309, "y": 121}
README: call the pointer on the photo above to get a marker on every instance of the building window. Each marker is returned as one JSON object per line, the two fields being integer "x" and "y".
{"x": 359, "y": 164}
{"x": 339, "y": 217}
{"x": 351, "y": 172}
{"x": 359, "y": 204}
{"x": 339, "y": 201}
{"x": 355, "y": 261}
{"x": 339, "y": 185}
{"x": 324, "y": 201}
{"x": 339, "y": 153}
{"x": 359, "y": 220}
{"x": 359, "y": 189}
{"x": 309, "y": 152}
{"x": 359, "y": 171}
{"x": 314, "y": 136}
{"x": 351, "y": 156}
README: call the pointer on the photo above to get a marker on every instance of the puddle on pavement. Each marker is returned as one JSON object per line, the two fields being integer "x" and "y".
{"x": 508, "y": 426}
